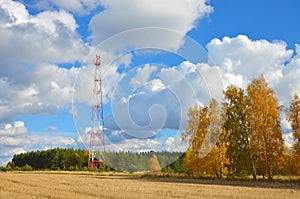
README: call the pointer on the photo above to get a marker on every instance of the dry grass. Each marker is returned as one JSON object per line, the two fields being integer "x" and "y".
{"x": 92, "y": 185}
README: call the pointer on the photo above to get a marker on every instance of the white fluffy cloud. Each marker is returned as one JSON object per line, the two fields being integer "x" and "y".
{"x": 18, "y": 128}
{"x": 242, "y": 59}
{"x": 290, "y": 82}
{"x": 43, "y": 90}
{"x": 161, "y": 101}
{"x": 29, "y": 83}
{"x": 47, "y": 36}
{"x": 142, "y": 75}
{"x": 122, "y": 15}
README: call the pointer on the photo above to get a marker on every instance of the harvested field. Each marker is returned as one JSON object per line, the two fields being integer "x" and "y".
{"x": 92, "y": 185}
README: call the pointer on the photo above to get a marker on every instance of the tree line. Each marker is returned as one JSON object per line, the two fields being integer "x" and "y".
{"x": 77, "y": 160}
{"x": 51, "y": 159}
{"x": 242, "y": 135}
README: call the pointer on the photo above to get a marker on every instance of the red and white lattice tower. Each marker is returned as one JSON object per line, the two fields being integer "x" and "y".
{"x": 97, "y": 145}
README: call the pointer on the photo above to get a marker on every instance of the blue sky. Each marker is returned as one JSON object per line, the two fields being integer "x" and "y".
{"x": 271, "y": 20}
{"x": 48, "y": 48}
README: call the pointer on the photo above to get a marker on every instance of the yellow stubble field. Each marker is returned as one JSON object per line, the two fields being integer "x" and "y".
{"x": 81, "y": 185}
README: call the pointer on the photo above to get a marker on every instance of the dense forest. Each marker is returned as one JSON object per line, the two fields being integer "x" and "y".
{"x": 241, "y": 136}
{"x": 71, "y": 159}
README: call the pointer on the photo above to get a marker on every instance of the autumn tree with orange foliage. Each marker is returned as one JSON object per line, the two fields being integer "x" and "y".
{"x": 153, "y": 164}
{"x": 293, "y": 116}
{"x": 206, "y": 155}
{"x": 195, "y": 133}
{"x": 244, "y": 136}
{"x": 263, "y": 115}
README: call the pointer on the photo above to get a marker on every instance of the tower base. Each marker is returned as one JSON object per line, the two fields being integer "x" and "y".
{"x": 95, "y": 164}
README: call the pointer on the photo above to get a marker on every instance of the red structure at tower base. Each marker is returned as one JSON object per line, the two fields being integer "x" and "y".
{"x": 95, "y": 164}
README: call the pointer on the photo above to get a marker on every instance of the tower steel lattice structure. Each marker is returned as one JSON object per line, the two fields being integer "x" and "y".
{"x": 97, "y": 145}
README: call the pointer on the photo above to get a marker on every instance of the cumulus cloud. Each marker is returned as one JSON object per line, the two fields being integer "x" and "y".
{"x": 242, "y": 59}
{"x": 29, "y": 83}
{"x": 142, "y": 75}
{"x": 163, "y": 100}
{"x": 120, "y": 15}
{"x": 18, "y": 128}
{"x": 290, "y": 82}
{"x": 160, "y": 102}
{"x": 43, "y": 90}
{"x": 47, "y": 36}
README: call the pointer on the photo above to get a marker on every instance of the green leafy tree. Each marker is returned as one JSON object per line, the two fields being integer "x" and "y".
{"x": 27, "y": 167}
{"x": 237, "y": 133}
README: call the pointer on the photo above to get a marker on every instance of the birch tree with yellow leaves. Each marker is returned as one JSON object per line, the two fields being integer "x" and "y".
{"x": 237, "y": 133}
{"x": 265, "y": 136}
{"x": 206, "y": 155}
{"x": 293, "y": 116}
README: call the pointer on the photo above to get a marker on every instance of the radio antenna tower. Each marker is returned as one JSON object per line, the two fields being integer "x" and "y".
{"x": 97, "y": 145}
